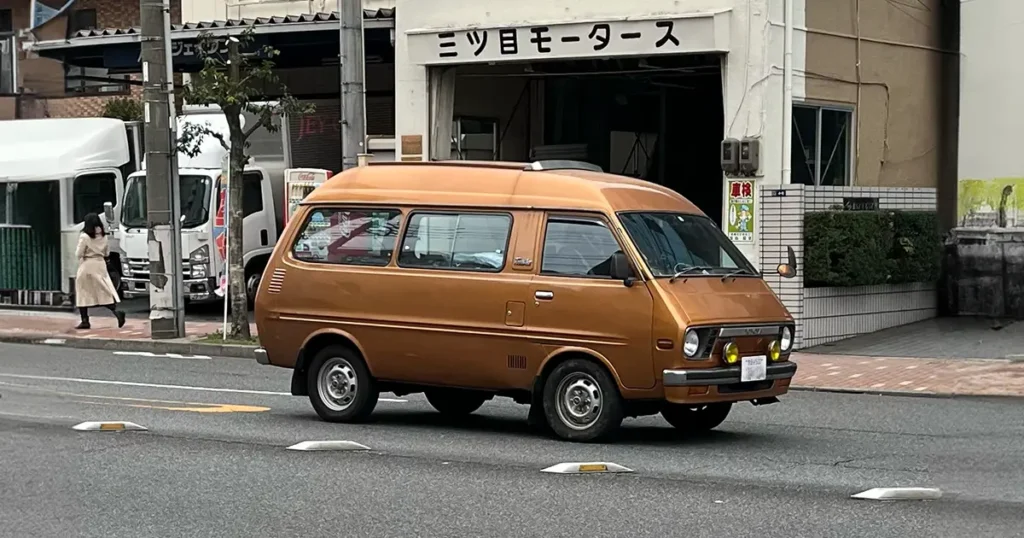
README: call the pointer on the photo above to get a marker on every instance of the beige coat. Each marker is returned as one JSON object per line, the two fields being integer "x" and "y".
{"x": 93, "y": 286}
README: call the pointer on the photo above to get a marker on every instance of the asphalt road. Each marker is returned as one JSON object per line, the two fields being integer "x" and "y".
{"x": 214, "y": 463}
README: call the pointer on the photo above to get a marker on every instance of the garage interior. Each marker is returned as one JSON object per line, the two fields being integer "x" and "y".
{"x": 656, "y": 118}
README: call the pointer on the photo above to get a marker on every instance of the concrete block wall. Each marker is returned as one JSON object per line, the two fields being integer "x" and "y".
{"x": 829, "y": 314}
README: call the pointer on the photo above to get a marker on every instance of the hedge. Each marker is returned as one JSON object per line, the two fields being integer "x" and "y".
{"x": 864, "y": 248}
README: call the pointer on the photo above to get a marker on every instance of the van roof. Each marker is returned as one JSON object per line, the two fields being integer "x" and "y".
{"x": 549, "y": 185}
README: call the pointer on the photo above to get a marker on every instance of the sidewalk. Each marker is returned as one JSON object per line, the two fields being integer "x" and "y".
{"x": 58, "y": 328}
{"x": 824, "y": 372}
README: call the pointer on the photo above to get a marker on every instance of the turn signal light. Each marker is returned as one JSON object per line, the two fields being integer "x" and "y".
{"x": 775, "y": 350}
{"x": 731, "y": 353}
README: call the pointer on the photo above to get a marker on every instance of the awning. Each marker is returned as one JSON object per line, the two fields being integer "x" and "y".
{"x": 117, "y": 49}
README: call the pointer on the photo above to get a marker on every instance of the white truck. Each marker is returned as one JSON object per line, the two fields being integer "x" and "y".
{"x": 52, "y": 173}
{"x": 203, "y": 192}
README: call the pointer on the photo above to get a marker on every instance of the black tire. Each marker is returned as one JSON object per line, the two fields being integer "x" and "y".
{"x": 696, "y": 419}
{"x": 455, "y": 403}
{"x": 599, "y": 413}
{"x": 253, "y": 277}
{"x": 355, "y": 400}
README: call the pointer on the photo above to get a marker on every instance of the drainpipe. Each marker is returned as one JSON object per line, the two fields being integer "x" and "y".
{"x": 787, "y": 94}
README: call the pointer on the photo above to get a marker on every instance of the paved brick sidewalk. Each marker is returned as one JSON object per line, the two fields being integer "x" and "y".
{"x": 26, "y": 324}
{"x": 909, "y": 375}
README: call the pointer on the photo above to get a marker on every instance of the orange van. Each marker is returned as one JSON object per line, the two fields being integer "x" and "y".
{"x": 588, "y": 296}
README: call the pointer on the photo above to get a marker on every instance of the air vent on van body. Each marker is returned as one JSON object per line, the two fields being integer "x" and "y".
{"x": 276, "y": 281}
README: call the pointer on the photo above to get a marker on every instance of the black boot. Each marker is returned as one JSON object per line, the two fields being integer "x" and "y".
{"x": 117, "y": 314}
{"x": 85, "y": 319}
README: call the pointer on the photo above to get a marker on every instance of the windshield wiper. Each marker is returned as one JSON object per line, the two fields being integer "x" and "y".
{"x": 688, "y": 270}
{"x": 735, "y": 272}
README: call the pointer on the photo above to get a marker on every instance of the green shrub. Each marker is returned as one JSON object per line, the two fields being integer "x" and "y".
{"x": 123, "y": 108}
{"x": 863, "y": 248}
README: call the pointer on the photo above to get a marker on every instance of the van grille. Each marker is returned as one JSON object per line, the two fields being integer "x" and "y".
{"x": 517, "y": 362}
{"x": 276, "y": 281}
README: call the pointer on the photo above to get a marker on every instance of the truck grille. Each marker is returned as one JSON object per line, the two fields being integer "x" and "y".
{"x": 139, "y": 268}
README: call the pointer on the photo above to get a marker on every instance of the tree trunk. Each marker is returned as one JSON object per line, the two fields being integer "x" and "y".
{"x": 236, "y": 250}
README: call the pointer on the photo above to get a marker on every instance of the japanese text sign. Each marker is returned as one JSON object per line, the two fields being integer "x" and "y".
{"x": 741, "y": 224}
{"x": 568, "y": 40}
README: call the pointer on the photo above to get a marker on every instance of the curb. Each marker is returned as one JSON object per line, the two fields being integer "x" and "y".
{"x": 153, "y": 346}
{"x": 904, "y": 393}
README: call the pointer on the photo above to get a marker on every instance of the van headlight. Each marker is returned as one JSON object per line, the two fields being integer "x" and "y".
{"x": 691, "y": 343}
{"x": 786, "y": 342}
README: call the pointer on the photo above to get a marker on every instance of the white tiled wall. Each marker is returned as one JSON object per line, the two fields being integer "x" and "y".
{"x": 829, "y": 314}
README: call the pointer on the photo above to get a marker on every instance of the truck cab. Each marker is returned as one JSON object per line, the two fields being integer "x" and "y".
{"x": 203, "y": 231}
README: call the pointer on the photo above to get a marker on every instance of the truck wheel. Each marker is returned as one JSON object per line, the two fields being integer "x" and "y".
{"x": 455, "y": 403}
{"x": 252, "y": 284}
{"x": 582, "y": 401}
{"x": 696, "y": 419}
{"x": 341, "y": 388}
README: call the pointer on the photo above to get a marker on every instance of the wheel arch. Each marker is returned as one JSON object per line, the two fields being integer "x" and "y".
{"x": 568, "y": 353}
{"x": 315, "y": 342}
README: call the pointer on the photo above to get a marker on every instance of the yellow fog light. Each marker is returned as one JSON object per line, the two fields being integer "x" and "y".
{"x": 775, "y": 350}
{"x": 731, "y": 353}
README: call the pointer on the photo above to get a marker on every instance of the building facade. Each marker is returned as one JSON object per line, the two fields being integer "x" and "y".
{"x": 867, "y": 96}
{"x": 48, "y": 88}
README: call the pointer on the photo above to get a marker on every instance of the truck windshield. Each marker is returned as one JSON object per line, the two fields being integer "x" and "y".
{"x": 677, "y": 243}
{"x": 195, "y": 202}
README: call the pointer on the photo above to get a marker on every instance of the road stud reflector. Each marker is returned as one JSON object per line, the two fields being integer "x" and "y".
{"x": 322, "y": 446}
{"x": 899, "y": 494}
{"x": 109, "y": 426}
{"x": 586, "y": 468}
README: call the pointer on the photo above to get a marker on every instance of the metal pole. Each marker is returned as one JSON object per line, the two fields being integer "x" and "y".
{"x": 787, "y": 93}
{"x": 166, "y": 318}
{"x": 353, "y": 102}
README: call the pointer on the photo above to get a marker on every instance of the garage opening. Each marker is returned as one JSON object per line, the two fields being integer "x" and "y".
{"x": 659, "y": 118}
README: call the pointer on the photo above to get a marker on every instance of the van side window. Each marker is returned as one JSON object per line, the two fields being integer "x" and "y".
{"x": 348, "y": 236}
{"x": 466, "y": 241}
{"x": 91, "y": 191}
{"x": 579, "y": 247}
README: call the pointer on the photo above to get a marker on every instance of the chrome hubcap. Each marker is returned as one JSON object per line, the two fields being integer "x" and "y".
{"x": 252, "y": 285}
{"x": 580, "y": 401}
{"x": 337, "y": 384}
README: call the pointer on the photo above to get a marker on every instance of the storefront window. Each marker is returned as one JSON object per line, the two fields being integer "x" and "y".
{"x": 821, "y": 145}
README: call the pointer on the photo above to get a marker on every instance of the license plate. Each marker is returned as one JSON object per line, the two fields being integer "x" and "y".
{"x": 754, "y": 368}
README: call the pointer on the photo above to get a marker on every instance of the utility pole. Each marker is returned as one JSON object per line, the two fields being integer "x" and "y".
{"x": 166, "y": 312}
{"x": 353, "y": 89}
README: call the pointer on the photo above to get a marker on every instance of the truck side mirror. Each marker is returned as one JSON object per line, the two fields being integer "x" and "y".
{"x": 620, "y": 268}
{"x": 108, "y": 213}
{"x": 788, "y": 269}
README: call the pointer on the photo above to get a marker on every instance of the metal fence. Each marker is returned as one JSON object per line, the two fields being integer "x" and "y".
{"x": 8, "y": 65}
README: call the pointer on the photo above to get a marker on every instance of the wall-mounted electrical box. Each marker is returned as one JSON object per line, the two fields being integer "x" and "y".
{"x": 749, "y": 156}
{"x": 730, "y": 156}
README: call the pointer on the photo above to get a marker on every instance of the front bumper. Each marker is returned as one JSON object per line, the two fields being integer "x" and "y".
{"x": 195, "y": 289}
{"x": 726, "y": 375}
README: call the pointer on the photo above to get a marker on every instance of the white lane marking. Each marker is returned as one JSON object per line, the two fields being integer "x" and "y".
{"x": 163, "y": 386}
{"x": 161, "y": 355}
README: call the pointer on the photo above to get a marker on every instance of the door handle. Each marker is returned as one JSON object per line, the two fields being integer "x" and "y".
{"x": 544, "y": 295}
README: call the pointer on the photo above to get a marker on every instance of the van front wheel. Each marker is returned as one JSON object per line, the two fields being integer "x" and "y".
{"x": 455, "y": 403}
{"x": 582, "y": 401}
{"x": 341, "y": 388}
{"x": 696, "y": 419}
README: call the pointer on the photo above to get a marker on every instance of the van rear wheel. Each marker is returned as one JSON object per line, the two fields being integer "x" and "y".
{"x": 582, "y": 401}
{"x": 697, "y": 419}
{"x": 341, "y": 388}
{"x": 455, "y": 403}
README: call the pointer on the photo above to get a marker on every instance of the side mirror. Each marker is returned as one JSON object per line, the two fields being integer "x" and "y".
{"x": 788, "y": 269}
{"x": 108, "y": 213}
{"x": 620, "y": 268}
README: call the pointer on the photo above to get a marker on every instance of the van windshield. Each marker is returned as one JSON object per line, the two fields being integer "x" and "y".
{"x": 195, "y": 202}
{"x": 674, "y": 243}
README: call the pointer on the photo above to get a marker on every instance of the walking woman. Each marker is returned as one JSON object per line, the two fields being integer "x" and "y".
{"x": 93, "y": 286}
